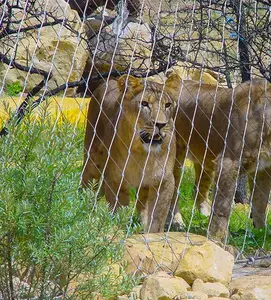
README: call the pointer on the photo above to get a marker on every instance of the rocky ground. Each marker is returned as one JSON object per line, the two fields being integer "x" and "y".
{"x": 191, "y": 267}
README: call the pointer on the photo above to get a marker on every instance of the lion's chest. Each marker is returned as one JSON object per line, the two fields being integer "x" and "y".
{"x": 147, "y": 170}
{"x": 139, "y": 166}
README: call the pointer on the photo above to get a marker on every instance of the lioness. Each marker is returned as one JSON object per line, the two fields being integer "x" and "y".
{"x": 225, "y": 132}
{"x": 130, "y": 141}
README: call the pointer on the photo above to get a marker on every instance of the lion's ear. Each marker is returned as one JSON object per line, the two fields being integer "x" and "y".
{"x": 134, "y": 85}
{"x": 173, "y": 82}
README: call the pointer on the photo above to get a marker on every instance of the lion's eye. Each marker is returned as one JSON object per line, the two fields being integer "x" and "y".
{"x": 144, "y": 103}
{"x": 168, "y": 105}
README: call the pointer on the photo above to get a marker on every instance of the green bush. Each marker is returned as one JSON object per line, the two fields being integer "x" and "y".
{"x": 14, "y": 88}
{"x": 54, "y": 239}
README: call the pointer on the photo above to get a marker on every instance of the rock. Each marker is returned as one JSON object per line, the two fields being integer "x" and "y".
{"x": 162, "y": 286}
{"x": 190, "y": 74}
{"x": 207, "y": 262}
{"x": 52, "y": 48}
{"x": 94, "y": 24}
{"x": 146, "y": 254}
{"x": 218, "y": 298}
{"x": 265, "y": 263}
{"x": 196, "y": 74}
{"x": 212, "y": 289}
{"x": 135, "y": 293}
{"x": 192, "y": 295}
{"x": 72, "y": 109}
{"x": 123, "y": 297}
{"x": 159, "y": 78}
{"x": 131, "y": 49}
{"x": 251, "y": 288}
{"x": 133, "y": 43}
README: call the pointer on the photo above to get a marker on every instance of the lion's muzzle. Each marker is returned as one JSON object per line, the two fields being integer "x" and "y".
{"x": 148, "y": 138}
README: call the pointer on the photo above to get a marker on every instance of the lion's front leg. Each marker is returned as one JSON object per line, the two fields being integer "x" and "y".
{"x": 260, "y": 192}
{"x": 159, "y": 200}
{"x": 174, "y": 217}
{"x": 225, "y": 185}
{"x": 203, "y": 181}
{"x": 117, "y": 193}
{"x": 142, "y": 205}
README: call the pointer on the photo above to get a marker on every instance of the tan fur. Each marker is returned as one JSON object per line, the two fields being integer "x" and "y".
{"x": 197, "y": 104}
{"x": 122, "y": 157}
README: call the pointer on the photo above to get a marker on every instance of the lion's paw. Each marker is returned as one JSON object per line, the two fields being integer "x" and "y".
{"x": 178, "y": 223}
{"x": 205, "y": 208}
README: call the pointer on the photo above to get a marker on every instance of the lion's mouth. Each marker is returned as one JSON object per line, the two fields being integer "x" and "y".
{"x": 146, "y": 138}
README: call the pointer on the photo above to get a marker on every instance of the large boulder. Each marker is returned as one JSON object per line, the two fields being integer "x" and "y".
{"x": 130, "y": 48}
{"x": 53, "y": 49}
{"x": 146, "y": 254}
{"x": 207, "y": 262}
{"x": 191, "y": 258}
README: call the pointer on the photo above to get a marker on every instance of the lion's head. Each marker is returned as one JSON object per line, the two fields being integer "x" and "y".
{"x": 149, "y": 107}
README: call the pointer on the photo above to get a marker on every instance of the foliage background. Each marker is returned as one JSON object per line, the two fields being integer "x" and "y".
{"x": 54, "y": 238}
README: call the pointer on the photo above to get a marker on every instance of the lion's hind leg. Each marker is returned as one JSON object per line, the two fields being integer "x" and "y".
{"x": 225, "y": 186}
{"x": 260, "y": 192}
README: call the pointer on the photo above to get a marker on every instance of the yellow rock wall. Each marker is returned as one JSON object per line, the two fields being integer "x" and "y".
{"x": 72, "y": 109}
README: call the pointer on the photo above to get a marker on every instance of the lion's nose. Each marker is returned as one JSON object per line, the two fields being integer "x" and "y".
{"x": 160, "y": 125}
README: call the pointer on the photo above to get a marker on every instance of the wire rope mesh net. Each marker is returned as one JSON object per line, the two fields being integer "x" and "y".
{"x": 162, "y": 107}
